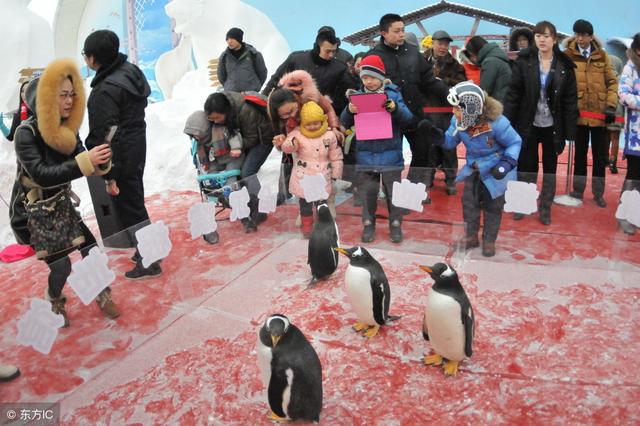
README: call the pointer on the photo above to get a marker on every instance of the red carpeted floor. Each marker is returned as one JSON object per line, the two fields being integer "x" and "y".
{"x": 557, "y": 338}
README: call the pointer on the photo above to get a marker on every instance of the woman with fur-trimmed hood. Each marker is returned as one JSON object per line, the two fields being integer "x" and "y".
{"x": 492, "y": 150}
{"x": 51, "y": 155}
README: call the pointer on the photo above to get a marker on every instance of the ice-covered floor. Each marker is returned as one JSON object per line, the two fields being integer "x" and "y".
{"x": 557, "y": 337}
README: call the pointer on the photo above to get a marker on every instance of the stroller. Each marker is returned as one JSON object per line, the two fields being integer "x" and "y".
{"x": 214, "y": 187}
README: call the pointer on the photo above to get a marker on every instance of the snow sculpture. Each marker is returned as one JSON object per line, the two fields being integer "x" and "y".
{"x": 171, "y": 66}
{"x": 91, "y": 275}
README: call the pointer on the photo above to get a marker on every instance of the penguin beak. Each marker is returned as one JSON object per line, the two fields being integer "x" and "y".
{"x": 341, "y": 250}
{"x": 427, "y": 269}
{"x": 275, "y": 340}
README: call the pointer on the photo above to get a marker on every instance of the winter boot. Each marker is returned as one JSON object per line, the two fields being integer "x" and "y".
{"x": 249, "y": 225}
{"x": 307, "y": 225}
{"x": 488, "y": 249}
{"x": 57, "y": 306}
{"x": 212, "y": 237}
{"x": 106, "y": 305}
{"x": 627, "y": 227}
{"x": 395, "y": 231}
{"x": 613, "y": 168}
{"x": 368, "y": 231}
{"x": 470, "y": 242}
{"x": 140, "y": 272}
{"x": 545, "y": 216}
{"x": 8, "y": 372}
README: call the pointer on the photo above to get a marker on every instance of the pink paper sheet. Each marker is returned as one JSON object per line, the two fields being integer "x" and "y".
{"x": 372, "y": 121}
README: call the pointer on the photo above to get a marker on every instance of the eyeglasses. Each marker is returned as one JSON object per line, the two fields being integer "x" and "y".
{"x": 64, "y": 96}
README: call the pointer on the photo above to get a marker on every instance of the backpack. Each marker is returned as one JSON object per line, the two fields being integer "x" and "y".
{"x": 256, "y": 100}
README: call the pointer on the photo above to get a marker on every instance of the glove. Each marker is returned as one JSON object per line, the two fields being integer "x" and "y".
{"x": 609, "y": 115}
{"x": 504, "y": 166}
{"x": 390, "y": 105}
{"x": 426, "y": 127}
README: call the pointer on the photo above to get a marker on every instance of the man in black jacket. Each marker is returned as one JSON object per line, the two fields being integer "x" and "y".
{"x": 331, "y": 75}
{"x": 407, "y": 68}
{"x": 119, "y": 97}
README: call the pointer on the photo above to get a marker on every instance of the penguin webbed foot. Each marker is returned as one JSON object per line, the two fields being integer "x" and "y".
{"x": 433, "y": 359}
{"x": 312, "y": 282}
{"x": 360, "y": 326}
{"x": 451, "y": 368}
{"x": 276, "y": 418}
{"x": 393, "y": 318}
{"x": 372, "y": 331}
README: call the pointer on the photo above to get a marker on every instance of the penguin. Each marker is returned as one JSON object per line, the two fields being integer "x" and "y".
{"x": 449, "y": 322}
{"x": 291, "y": 371}
{"x": 322, "y": 258}
{"x": 368, "y": 290}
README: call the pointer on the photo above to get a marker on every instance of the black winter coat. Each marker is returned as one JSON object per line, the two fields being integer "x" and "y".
{"x": 450, "y": 72}
{"x": 408, "y": 69}
{"x": 119, "y": 97}
{"x": 520, "y": 105}
{"x": 331, "y": 77}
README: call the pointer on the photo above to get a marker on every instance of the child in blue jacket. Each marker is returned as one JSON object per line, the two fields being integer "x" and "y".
{"x": 380, "y": 158}
{"x": 493, "y": 147}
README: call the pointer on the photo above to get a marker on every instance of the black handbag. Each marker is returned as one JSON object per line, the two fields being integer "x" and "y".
{"x": 54, "y": 224}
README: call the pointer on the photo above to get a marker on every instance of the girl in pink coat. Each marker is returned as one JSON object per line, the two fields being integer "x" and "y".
{"x": 317, "y": 153}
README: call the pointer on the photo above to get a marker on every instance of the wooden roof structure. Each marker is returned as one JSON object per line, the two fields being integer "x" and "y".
{"x": 368, "y": 35}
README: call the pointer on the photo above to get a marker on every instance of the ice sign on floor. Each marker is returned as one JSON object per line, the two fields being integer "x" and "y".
{"x": 314, "y": 188}
{"x": 268, "y": 199}
{"x": 629, "y": 207}
{"x": 91, "y": 275}
{"x": 202, "y": 219}
{"x": 409, "y": 195}
{"x": 38, "y": 328}
{"x": 521, "y": 197}
{"x": 239, "y": 201}
{"x": 153, "y": 242}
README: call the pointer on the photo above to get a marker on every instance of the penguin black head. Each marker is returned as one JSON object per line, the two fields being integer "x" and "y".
{"x": 324, "y": 214}
{"x": 442, "y": 273}
{"x": 275, "y": 327}
{"x": 358, "y": 256}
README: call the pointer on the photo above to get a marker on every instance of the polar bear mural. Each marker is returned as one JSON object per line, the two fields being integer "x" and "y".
{"x": 206, "y": 22}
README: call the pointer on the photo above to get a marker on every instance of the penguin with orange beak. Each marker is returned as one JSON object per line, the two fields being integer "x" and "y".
{"x": 291, "y": 371}
{"x": 368, "y": 290}
{"x": 449, "y": 322}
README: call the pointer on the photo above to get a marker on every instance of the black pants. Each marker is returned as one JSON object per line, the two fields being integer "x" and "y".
{"x": 129, "y": 203}
{"x": 370, "y": 185}
{"x": 528, "y": 163}
{"x": 60, "y": 265}
{"x": 447, "y": 159}
{"x": 476, "y": 199}
{"x": 600, "y": 153}
{"x": 419, "y": 156}
{"x": 306, "y": 208}
{"x": 632, "y": 179}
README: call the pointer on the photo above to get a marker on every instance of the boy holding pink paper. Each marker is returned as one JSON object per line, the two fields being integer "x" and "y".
{"x": 379, "y": 147}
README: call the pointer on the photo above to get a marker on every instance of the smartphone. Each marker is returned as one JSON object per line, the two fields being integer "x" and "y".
{"x": 107, "y": 139}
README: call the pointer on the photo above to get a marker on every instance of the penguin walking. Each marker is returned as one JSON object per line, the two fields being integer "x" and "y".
{"x": 290, "y": 370}
{"x": 368, "y": 290}
{"x": 448, "y": 319}
{"x": 322, "y": 258}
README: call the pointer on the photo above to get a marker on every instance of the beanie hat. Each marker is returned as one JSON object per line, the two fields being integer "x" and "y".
{"x": 103, "y": 45}
{"x": 236, "y": 34}
{"x": 635, "y": 43}
{"x": 582, "y": 27}
{"x": 373, "y": 66}
{"x": 309, "y": 113}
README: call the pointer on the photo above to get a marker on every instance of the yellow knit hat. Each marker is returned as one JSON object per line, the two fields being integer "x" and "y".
{"x": 309, "y": 113}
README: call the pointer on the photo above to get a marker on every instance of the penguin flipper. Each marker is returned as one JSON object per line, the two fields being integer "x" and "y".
{"x": 425, "y": 335}
{"x": 468, "y": 320}
{"x": 393, "y": 317}
{"x": 277, "y": 384}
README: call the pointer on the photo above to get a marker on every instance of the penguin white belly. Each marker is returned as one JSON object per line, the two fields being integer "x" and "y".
{"x": 446, "y": 331}
{"x": 286, "y": 395}
{"x": 264, "y": 362}
{"x": 358, "y": 285}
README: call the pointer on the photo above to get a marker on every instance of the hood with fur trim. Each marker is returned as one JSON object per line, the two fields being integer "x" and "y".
{"x": 492, "y": 109}
{"x": 302, "y": 83}
{"x": 59, "y": 134}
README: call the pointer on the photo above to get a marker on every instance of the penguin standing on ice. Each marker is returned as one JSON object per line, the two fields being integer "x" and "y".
{"x": 368, "y": 290}
{"x": 291, "y": 371}
{"x": 322, "y": 257}
{"x": 448, "y": 319}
